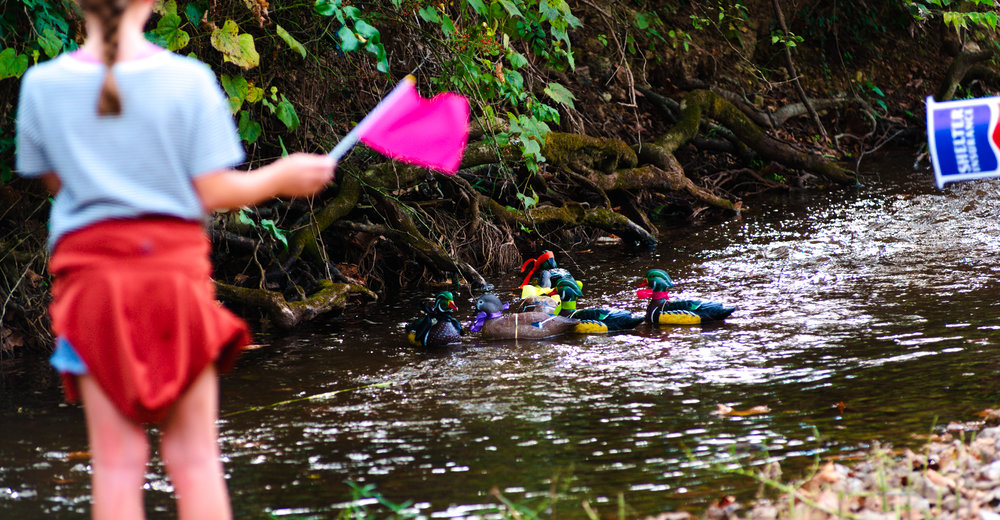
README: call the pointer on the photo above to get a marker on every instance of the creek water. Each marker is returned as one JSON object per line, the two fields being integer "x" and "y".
{"x": 867, "y": 314}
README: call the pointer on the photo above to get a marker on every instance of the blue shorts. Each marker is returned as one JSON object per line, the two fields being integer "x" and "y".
{"x": 66, "y": 360}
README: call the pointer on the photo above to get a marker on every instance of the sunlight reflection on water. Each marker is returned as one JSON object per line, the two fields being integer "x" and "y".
{"x": 865, "y": 315}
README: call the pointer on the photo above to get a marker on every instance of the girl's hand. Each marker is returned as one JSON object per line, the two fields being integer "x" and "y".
{"x": 303, "y": 174}
{"x": 297, "y": 175}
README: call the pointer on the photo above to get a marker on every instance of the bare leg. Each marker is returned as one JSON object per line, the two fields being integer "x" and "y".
{"x": 119, "y": 450}
{"x": 190, "y": 449}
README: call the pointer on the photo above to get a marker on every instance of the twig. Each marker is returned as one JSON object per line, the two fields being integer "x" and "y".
{"x": 795, "y": 75}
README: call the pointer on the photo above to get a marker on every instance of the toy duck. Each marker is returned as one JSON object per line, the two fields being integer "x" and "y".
{"x": 594, "y": 320}
{"x": 548, "y": 273}
{"x": 535, "y": 298}
{"x": 437, "y": 327}
{"x": 662, "y": 311}
{"x": 494, "y": 324}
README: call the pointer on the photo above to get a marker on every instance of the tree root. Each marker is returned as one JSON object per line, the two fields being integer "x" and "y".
{"x": 572, "y": 214}
{"x": 286, "y": 315}
{"x": 961, "y": 65}
{"x": 699, "y": 103}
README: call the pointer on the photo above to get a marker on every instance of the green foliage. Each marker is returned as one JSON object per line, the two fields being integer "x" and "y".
{"x": 354, "y": 32}
{"x": 267, "y": 225}
{"x": 874, "y": 94}
{"x": 12, "y": 64}
{"x": 168, "y": 32}
{"x": 291, "y": 41}
{"x": 236, "y": 48}
{"x": 960, "y": 15}
{"x": 779, "y": 37}
{"x": 484, "y": 60}
{"x": 367, "y": 503}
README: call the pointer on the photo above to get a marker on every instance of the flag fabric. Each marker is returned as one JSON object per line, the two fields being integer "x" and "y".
{"x": 963, "y": 137}
{"x": 407, "y": 127}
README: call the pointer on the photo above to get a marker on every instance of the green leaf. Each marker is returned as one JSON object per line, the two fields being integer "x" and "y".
{"x": 328, "y": 8}
{"x": 12, "y": 64}
{"x": 269, "y": 225}
{"x": 531, "y": 147}
{"x": 245, "y": 219}
{"x": 291, "y": 41}
{"x": 236, "y": 88}
{"x": 194, "y": 13}
{"x": 254, "y": 94}
{"x": 286, "y": 114}
{"x": 641, "y": 22}
{"x": 528, "y": 201}
{"x": 249, "y": 130}
{"x": 236, "y": 48}
{"x": 447, "y": 26}
{"x": 511, "y": 8}
{"x": 516, "y": 59}
{"x": 429, "y": 14}
{"x": 50, "y": 43}
{"x": 560, "y": 94}
{"x": 365, "y": 30}
{"x": 478, "y": 6}
{"x": 168, "y": 7}
{"x": 156, "y": 38}
{"x": 169, "y": 27}
{"x": 348, "y": 41}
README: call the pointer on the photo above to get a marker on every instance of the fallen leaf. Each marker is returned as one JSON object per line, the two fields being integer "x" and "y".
{"x": 730, "y": 411}
{"x": 940, "y": 480}
{"x": 78, "y": 455}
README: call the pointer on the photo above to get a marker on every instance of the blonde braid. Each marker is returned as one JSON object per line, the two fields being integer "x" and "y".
{"x": 109, "y": 12}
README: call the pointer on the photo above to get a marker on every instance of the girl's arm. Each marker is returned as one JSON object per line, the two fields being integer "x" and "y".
{"x": 296, "y": 175}
{"x": 52, "y": 182}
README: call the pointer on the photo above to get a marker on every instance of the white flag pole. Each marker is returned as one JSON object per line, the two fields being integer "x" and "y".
{"x": 354, "y": 135}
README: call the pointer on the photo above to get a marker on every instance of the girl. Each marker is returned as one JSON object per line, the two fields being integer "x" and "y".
{"x": 138, "y": 144}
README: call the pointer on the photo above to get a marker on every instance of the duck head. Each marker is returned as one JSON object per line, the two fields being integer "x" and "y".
{"x": 489, "y": 303}
{"x": 655, "y": 285}
{"x": 547, "y": 260}
{"x": 445, "y": 302}
{"x": 657, "y": 280}
{"x": 568, "y": 290}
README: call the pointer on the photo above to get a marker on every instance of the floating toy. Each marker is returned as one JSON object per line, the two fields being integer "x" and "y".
{"x": 437, "y": 327}
{"x": 593, "y": 320}
{"x": 663, "y": 311}
{"x": 492, "y": 323}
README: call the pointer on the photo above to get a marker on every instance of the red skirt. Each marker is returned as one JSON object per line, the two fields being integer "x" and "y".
{"x": 136, "y": 301}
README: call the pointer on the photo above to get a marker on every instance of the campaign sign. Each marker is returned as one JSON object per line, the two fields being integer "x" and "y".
{"x": 964, "y": 139}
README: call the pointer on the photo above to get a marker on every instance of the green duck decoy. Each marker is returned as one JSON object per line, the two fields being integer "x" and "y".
{"x": 437, "y": 327}
{"x": 549, "y": 273}
{"x": 664, "y": 311}
{"x": 594, "y": 320}
{"x": 494, "y": 324}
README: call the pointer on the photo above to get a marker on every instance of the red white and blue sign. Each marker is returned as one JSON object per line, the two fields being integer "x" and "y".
{"x": 964, "y": 139}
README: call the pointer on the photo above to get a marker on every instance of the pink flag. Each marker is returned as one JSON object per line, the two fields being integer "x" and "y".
{"x": 429, "y": 132}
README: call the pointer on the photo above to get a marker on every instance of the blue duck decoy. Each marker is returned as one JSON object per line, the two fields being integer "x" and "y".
{"x": 494, "y": 324}
{"x": 663, "y": 311}
{"x": 593, "y": 320}
{"x": 437, "y": 327}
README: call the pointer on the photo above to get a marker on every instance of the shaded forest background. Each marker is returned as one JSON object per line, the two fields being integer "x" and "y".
{"x": 591, "y": 120}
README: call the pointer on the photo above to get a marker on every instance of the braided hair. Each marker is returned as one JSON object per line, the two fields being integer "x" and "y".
{"x": 109, "y": 13}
